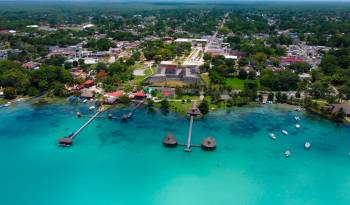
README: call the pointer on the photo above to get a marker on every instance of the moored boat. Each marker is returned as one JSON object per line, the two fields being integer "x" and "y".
{"x": 285, "y": 132}
{"x": 307, "y": 145}
{"x": 287, "y": 153}
{"x": 7, "y": 104}
{"x": 273, "y": 136}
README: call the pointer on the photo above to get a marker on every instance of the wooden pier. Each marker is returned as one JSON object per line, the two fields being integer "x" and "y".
{"x": 208, "y": 144}
{"x": 123, "y": 117}
{"x": 68, "y": 141}
{"x": 193, "y": 112}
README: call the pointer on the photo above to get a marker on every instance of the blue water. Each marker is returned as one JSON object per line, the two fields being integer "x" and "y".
{"x": 114, "y": 163}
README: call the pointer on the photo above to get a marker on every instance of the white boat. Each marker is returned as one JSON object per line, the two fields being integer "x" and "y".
{"x": 273, "y": 136}
{"x": 297, "y": 125}
{"x": 285, "y": 132}
{"x": 91, "y": 107}
{"x": 84, "y": 101}
{"x": 298, "y": 109}
{"x": 297, "y": 118}
{"x": 7, "y": 104}
{"x": 307, "y": 145}
{"x": 287, "y": 153}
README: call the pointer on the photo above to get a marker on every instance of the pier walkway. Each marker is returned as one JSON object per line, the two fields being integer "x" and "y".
{"x": 122, "y": 117}
{"x": 68, "y": 141}
{"x": 86, "y": 124}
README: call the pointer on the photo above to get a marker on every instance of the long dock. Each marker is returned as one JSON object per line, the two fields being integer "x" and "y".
{"x": 122, "y": 117}
{"x": 86, "y": 124}
{"x": 68, "y": 141}
{"x": 188, "y": 146}
{"x": 193, "y": 112}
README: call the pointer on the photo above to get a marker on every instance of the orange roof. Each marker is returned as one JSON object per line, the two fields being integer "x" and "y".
{"x": 139, "y": 94}
{"x": 118, "y": 93}
{"x": 88, "y": 82}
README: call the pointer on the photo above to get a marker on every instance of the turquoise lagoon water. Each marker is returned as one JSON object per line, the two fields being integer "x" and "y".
{"x": 114, "y": 163}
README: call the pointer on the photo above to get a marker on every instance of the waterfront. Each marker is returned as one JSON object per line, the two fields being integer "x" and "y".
{"x": 113, "y": 162}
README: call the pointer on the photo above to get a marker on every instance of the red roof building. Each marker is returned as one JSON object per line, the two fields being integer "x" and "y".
{"x": 140, "y": 94}
{"x": 116, "y": 94}
{"x": 167, "y": 93}
{"x": 290, "y": 60}
{"x": 88, "y": 83}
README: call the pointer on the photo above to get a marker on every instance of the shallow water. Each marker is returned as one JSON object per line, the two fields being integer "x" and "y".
{"x": 114, "y": 163}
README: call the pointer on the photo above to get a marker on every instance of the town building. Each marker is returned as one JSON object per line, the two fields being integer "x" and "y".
{"x": 171, "y": 73}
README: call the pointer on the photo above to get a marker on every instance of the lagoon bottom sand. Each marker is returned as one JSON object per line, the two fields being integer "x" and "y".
{"x": 114, "y": 163}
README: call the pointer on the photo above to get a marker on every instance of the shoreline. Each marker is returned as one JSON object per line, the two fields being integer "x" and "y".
{"x": 180, "y": 110}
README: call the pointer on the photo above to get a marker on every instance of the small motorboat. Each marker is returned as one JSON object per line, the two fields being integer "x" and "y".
{"x": 297, "y": 118}
{"x": 84, "y": 101}
{"x": 7, "y": 104}
{"x": 273, "y": 136}
{"x": 307, "y": 145}
{"x": 92, "y": 107}
{"x": 287, "y": 153}
{"x": 285, "y": 132}
{"x": 298, "y": 109}
{"x": 297, "y": 126}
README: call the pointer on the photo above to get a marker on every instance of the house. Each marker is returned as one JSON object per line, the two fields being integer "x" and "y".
{"x": 88, "y": 83}
{"x": 305, "y": 76}
{"x": 30, "y": 65}
{"x": 87, "y": 94}
{"x": 290, "y": 60}
{"x": 78, "y": 73}
{"x": 173, "y": 73}
{"x": 115, "y": 94}
{"x": 138, "y": 95}
{"x": 225, "y": 97}
{"x": 334, "y": 108}
{"x": 110, "y": 100}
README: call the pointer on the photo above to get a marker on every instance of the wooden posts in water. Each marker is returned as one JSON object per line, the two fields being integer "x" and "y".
{"x": 193, "y": 112}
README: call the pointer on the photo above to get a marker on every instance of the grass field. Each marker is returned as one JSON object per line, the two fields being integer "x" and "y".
{"x": 236, "y": 84}
{"x": 148, "y": 72}
{"x": 169, "y": 84}
{"x": 205, "y": 78}
{"x": 180, "y": 107}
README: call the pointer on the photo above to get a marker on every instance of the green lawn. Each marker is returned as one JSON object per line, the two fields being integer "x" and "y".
{"x": 138, "y": 66}
{"x": 2, "y": 101}
{"x": 180, "y": 107}
{"x": 140, "y": 79}
{"x": 237, "y": 84}
{"x": 205, "y": 78}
